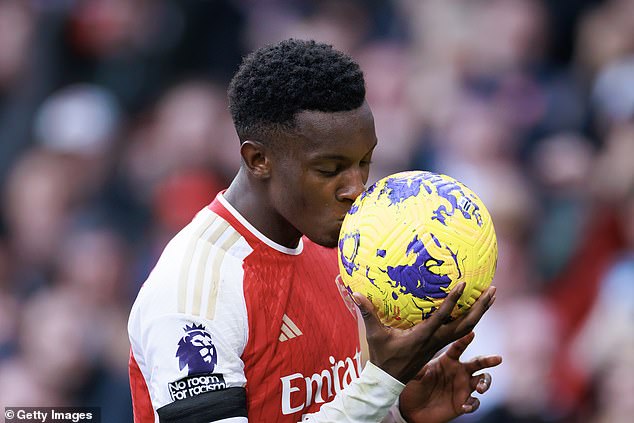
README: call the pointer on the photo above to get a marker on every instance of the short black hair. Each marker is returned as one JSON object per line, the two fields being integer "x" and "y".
{"x": 276, "y": 82}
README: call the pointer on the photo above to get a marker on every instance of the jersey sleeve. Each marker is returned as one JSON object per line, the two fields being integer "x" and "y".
{"x": 192, "y": 368}
{"x": 187, "y": 347}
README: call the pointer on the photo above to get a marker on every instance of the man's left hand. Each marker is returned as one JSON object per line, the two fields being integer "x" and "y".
{"x": 443, "y": 388}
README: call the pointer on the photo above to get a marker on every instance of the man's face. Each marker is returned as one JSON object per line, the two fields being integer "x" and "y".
{"x": 322, "y": 171}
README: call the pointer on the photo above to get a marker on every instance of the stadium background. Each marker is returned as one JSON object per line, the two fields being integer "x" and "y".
{"x": 114, "y": 131}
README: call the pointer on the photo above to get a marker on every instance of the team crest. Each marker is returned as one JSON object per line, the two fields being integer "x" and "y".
{"x": 196, "y": 351}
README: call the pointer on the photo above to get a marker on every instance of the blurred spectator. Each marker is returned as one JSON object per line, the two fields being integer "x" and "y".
{"x": 80, "y": 123}
{"x": 16, "y": 31}
{"x": 40, "y": 181}
{"x": 181, "y": 195}
{"x": 190, "y": 127}
{"x": 101, "y": 293}
{"x": 80, "y": 119}
{"x": 8, "y": 304}
{"x": 529, "y": 332}
{"x": 613, "y": 93}
{"x": 603, "y": 351}
{"x": 121, "y": 45}
{"x": 23, "y": 84}
{"x": 386, "y": 68}
{"x": 605, "y": 34}
{"x": 613, "y": 175}
{"x": 562, "y": 165}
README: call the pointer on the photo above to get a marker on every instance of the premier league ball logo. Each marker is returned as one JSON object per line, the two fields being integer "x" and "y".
{"x": 196, "y": 351}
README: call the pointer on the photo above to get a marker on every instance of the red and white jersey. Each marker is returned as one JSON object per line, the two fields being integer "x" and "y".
{"x": 230, "y": 324}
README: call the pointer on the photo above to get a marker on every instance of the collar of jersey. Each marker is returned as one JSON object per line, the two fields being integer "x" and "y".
{"x": 252, "y": 230}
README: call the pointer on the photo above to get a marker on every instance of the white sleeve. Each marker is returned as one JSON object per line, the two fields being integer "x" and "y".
{"x": 367, "y": 399}
{"x": 192, "y": 367}
{"x": 191, "y": 364}
{"x": 394, "y": 415}
{"x": 182, "y": 352}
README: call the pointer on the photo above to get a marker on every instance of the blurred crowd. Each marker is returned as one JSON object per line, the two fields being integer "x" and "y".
{"x": 114, "y": 132}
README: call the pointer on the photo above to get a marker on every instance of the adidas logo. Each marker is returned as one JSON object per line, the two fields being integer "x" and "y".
{"x": 289, "y": 329}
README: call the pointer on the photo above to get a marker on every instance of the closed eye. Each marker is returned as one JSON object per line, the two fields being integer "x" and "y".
{"x": 329, "y": 172}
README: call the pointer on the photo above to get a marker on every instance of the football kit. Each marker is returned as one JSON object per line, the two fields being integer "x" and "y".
{"x": 232, "y": 327}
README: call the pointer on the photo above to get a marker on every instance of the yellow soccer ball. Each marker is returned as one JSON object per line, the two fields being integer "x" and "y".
{"x": 410, "y": 238}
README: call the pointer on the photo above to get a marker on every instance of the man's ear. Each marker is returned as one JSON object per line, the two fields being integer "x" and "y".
{"x": 256, "y": 158}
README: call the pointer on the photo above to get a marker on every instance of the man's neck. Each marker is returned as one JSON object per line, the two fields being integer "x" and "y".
{"x": 252, "y": 202}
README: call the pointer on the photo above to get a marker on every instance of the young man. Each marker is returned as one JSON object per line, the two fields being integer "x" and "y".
{"x": 242, "y": 315}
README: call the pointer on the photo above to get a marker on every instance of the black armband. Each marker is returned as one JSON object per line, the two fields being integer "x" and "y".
{"x": 206, "y": 407}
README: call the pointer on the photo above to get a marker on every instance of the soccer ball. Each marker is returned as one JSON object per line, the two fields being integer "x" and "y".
{"x": 409, "y": 239}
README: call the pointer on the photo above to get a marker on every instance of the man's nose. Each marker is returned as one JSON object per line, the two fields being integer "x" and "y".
{"x": 353, "y": 185}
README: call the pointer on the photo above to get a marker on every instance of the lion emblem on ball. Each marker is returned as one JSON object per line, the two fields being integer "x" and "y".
{"x": 196, "y": 351}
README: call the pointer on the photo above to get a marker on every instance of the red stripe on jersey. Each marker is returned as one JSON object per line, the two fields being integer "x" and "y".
{"x": 141, "y": 403}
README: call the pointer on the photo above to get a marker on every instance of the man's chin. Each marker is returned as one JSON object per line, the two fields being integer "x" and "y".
{"x": 330, "y": 244}
{"x": 325, "y": 241}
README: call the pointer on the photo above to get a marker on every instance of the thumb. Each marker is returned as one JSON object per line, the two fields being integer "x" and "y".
{"x": 368, "y": 313}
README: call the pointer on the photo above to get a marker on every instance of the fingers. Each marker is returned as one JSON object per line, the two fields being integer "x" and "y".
{"x": 484, "y": 302}
{"x": 442, "y": 315}
{"x": 467, "y": 322}
{"x": 372, "y": 323}
{"x": 484, "y": 383}
{"x": 365, "y": 306}
{"x": 481, "y": 383}
{"x": 458, "y": 347}
{"x": 483, "y": 362}
{"x": 471, "y": 405}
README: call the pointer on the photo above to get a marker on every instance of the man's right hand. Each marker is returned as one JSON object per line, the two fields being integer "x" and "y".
{"x": 402, "y": 353}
